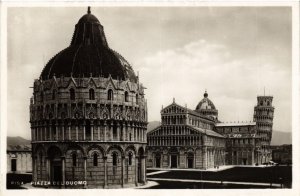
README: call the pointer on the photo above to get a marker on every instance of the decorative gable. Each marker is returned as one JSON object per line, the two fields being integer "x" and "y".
{"x": 173, "y": 108}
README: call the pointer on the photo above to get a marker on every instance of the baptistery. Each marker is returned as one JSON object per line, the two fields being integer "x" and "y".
{"x": 88, "y": 116}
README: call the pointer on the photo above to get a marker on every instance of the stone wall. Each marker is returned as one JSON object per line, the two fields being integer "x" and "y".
{"x": 23, "y": 161}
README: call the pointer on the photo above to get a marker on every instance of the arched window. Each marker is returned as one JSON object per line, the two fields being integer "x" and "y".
{"x": 53, "y": 94}
{"x": 115, "y": 157}
{"x": 268, "y": 103}
{"x": 130, "y": 158}
{"x": 72, "y": 94}
{"x": 74, "y": 160}
{"x": 95, "y": 159}
{"x": 92, "y": 94}
{"x": 126, "y": 96}
{"x": 261, "y": 103}
{"x": 137, "y": 98}
{"x": 110, "y": 95}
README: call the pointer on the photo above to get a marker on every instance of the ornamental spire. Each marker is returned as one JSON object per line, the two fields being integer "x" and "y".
{"x": 89, "y": 10}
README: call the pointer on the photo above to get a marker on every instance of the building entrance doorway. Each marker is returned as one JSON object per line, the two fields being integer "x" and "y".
{"x": 157, "y": 160}
{"x": 54, "y": 155}
{"x": 244, "y": 161}
{"x": 190, "y": 160}
{"x": 14, "y": 165}
{"x": 173, "y": 161}
{"x": 56, "y": 172}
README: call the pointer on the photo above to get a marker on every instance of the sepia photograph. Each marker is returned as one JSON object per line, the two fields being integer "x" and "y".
{"x": 149, "y": 97}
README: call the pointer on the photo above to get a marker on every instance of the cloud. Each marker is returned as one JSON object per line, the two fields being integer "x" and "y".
{"x": 232, "y": 82}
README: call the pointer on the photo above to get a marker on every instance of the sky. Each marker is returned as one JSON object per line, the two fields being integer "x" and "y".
{"x": 232, "y": 52}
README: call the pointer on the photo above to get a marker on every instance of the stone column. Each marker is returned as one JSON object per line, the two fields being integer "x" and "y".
{"x": 136, "y": 170}
{"x": 135, "y": 133}
{"x": 45, "y": 132}
{"x": 47, "y": 169}
{"x": 142, "y": 136}
{"x": 105, "y": 134}
{"x": 32, "y": 133}
{"x": 85, "y": 158}
{"x": 124, "y": 131}
{"x": 105, "y": 172}
{"x": 63, "y": 171}
{"x": 204, "y": 162}
{"x": 111, "y": 131}
{"x": 123, "y": 169}
{"x": 92, "y": 131}
{"x": 69, "y": 130}
{"x": 98, "y": 130}
{"x": 145, "y": 135}
{"x": 37, "y": 133}
{"x": 138, "y": 133}
{"x": 141, "y": 133}
{"x": 118, "y": 132}
{"x": 143, "y": 168}
{"x": 76, "y": 127}
{"x": 50, "y": 131}
{"x": 84, "y": 136}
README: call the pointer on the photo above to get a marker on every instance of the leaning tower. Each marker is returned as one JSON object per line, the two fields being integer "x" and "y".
{"x": 263, "y": 116}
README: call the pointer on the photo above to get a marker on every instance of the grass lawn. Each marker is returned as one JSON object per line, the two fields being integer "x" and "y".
{"x": 277, "y": 174}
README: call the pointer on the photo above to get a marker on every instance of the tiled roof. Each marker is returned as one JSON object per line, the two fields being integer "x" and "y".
{"x": 19, "y": 148}
{"x": 207, "y": 131}
{"x": 204, "y": 131}
{"x": 231, "y": 124}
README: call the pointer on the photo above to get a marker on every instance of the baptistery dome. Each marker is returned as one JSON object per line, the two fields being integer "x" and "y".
{"x": 207, "y": 107}
{"x": 88, "y": 55}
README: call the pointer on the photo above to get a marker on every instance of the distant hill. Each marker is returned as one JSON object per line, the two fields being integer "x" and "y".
{"x": 279, "y": 138}
{"x": 152, "y": 125}
{"x": 12, "y": 141}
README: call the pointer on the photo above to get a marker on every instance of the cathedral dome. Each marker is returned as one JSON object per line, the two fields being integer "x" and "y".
{"x": 88, "y": 55}
{"x": 205, "y": 104}
{"x": 207, "y": 107}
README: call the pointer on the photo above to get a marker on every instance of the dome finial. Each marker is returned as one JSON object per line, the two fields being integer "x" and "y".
{"x": 205, "y": 94}
{"x": 89, "y": 10}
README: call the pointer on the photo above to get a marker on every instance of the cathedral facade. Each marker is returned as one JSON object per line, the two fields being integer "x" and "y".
{"x": 186, "y": 138}
{"x": 88, "y": 116}
{"x": 198, "y": 139}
